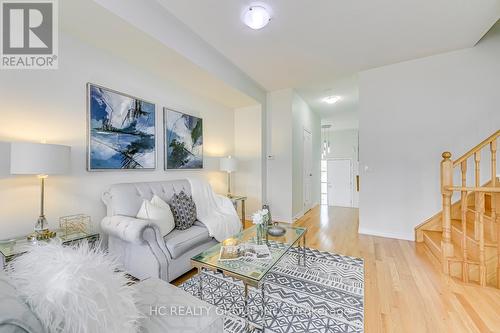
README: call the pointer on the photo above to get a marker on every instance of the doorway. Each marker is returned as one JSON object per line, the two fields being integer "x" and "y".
{"x": 340, "y": 182}
{"x": 307, "y": 170}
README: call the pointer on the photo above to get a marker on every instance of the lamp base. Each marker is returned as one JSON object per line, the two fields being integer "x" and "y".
{"x": 41, "y": 224}
{"x": 41, "y": 235}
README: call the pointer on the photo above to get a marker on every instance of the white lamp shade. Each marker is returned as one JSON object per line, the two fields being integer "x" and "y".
{"x": 39, "y": 159}
{"x": 228, "y": 164}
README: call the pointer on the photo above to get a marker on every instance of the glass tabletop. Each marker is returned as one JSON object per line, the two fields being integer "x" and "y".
{"x": 249, "y": 269}
{"x": 15, "y": 246}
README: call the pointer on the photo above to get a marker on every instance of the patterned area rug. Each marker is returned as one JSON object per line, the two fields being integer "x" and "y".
{"x": 326, "y": 296}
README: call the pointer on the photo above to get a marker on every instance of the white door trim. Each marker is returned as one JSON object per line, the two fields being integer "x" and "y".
{"x": 306, "y": 206}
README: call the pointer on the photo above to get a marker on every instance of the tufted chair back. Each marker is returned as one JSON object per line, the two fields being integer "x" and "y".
{"x": 126, "y": 199}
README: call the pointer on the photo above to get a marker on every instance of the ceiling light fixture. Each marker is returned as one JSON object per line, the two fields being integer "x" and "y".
{"x": 332, "y": 99}
{"x": 325, "y": 136}
{"x": 256, "y": 17}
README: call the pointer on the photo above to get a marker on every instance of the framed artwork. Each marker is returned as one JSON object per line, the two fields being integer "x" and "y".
{"x": 183, "y": 141}
{"x": 121, "y": 131}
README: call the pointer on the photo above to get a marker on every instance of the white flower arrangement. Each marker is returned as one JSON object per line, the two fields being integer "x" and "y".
{"x": 260, "y": 216}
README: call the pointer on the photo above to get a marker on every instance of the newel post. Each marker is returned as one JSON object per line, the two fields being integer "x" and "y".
{"x": 446, "y": 180}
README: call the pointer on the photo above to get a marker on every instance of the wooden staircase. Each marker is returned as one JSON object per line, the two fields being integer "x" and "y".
{"x": 465, "y": 235}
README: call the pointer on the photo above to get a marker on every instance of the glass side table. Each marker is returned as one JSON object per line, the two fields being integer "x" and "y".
{"x": 10, "y": 249}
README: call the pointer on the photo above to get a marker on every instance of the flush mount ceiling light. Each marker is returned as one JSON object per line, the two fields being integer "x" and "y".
{"x": 332, "y": 99}
{"x": 256, "y": 17}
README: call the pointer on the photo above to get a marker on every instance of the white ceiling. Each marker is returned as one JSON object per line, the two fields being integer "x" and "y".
{"x": 346, "y": 87}
{"x": 315, "y": 45}
{"x": 112, "y": 33}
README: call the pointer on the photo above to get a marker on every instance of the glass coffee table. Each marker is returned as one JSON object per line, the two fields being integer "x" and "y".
{"x": 251, "y": 271}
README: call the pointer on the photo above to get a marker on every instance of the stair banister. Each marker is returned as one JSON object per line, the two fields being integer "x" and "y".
{"x": 447, "y": 189}
{"x": 480, "y": 146}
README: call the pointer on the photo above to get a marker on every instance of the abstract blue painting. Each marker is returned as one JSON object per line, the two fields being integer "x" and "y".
{"x": 121, "y": 131}
{"x": 183, "y": 141}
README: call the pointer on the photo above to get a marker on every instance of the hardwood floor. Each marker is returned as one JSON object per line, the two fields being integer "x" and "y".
{"x": 405, "y": 290}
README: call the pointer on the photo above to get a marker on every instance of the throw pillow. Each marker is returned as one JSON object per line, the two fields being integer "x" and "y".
{"x": 75, "y": 289}
{"x": 184, "y": 210}
{"x": 158, "y": 211}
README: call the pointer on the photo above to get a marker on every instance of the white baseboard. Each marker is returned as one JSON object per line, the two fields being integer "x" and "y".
{"x": 281, "y": 219}
{"x": 396, "y": 235}
{"x": 298, "y": 216}
{"x": 275, "y": 218}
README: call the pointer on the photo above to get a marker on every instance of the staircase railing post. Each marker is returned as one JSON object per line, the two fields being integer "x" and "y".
{"x": 446, "y": 180}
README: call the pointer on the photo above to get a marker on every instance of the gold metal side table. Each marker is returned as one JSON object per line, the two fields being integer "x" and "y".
{"x": 239, "y": 198}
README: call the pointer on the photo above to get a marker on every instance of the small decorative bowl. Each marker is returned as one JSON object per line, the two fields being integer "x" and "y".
{"x": 276, "y": 230}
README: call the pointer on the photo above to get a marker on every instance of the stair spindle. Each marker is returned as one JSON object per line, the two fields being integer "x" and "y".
{"x": 479, "y": 203}
{"x": 446, "y": 180}
{"x": 493, "y": 150}
{"x": 463, "y": 203}
{"x": 477, "y": 182}
{"x": 496, "y": 197}
{"x": 495, "y": 202}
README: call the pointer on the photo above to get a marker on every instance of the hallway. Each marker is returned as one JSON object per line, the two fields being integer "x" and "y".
{"x": 405, "y": 290}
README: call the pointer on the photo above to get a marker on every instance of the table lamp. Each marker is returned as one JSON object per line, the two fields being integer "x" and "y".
{"x": 41, "y": 160}
{"x": 228, "y": 164}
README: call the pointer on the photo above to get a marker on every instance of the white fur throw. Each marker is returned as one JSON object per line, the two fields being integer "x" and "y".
{"x": 75, "y": 289}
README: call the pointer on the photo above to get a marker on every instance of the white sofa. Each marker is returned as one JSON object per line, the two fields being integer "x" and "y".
{"x": 138, "y": 244}
{"x": 158, "y": 301}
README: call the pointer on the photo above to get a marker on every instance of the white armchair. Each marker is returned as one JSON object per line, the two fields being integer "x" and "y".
{"x": 138, "y": 244}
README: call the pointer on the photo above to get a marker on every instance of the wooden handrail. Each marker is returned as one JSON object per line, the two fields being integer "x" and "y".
{"x": 472, "y": 189}
{"x": 477, "y": 148}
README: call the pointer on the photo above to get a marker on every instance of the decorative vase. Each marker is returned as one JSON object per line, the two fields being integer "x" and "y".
{"x": 275, "y": 230}
{"x": 261, "y": 232}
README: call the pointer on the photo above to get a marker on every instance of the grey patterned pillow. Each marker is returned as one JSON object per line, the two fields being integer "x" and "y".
{"x": 184, "y": 210}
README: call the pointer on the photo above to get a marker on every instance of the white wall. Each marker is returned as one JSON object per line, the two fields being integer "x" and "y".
{"x": 343, "y": 120}
{"x": 344, "y": 144}
{"x": 304, "y": 119}
{"x": 287, "y": 116}
{"x": 279, "y": 166}
{"x": 4, "y": 159}
{"x": 410, "y": 113}
{"x": 50, "y": 105}
{"x": 248, "y": 151}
